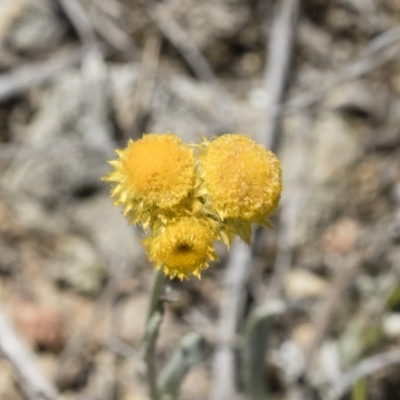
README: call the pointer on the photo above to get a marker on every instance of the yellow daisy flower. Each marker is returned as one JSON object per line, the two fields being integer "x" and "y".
{"x": 187, "y": 202}
{"x": 152, "y": 175}
{"x": 241, "y": 178}
{"x": 182, "y": 249}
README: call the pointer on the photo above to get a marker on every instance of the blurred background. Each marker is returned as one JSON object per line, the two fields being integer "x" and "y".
{"x": 317, "y": 81}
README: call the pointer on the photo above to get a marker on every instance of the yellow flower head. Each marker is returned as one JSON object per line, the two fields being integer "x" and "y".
{"x": 152, "y": 174}
{"x": 188, "y": 202}
{"x": 241, "y": 178}
{"x": 183, "y": 248}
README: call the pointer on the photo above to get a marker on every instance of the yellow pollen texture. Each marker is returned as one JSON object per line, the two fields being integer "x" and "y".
{"x": 182, "y": 249}
{"x": 150, "y": 173}
{"x": 242, "y": 179}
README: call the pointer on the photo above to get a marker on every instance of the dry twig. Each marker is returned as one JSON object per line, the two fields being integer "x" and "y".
{"x": 26, "y": 77}
{"x": 113, "y": 34}
{"x": 161, "y": 15}
{"x": 95, "y": 72}
{"x": 32, "y": 382}
{"x": 381, "y": 50}
{"x": 348, "y": 268}
{"x": 290, "y": 207}
{"x": 122, "y": 349}
{"x": 361, "y": 370}
{"x": 146, "y": 81}
{"x": 280, "y": 50}
{"x": 237, "y": 273}
{"x": 79, "y": 340}
{"x": 80, "y": 21}
{"x": 280, "y": 45}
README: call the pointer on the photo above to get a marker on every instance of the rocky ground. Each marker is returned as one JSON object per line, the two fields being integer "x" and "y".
{"x": 78, "y": 78}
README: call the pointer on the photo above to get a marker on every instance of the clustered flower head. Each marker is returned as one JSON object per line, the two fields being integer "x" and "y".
{"x": 188, "y": 196}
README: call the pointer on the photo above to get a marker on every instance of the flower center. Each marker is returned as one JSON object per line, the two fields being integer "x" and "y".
{"x": 184, "y": 248}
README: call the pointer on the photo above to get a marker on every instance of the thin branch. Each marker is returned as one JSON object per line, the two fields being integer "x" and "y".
{"x": 381, "y": 50}
{"x": 94, "y": 71}
{"x": 121, "y": 348}
{"x": 82, "y": 334}
{"x": 361, "y": 370}
{"x": 161, "y": 15}
{"x": 33, "y": 383}
{"x": 26, "y": 77}
{"x": 145, "y": 85}
{"x": 80, "y": 20}
{"x": 238, "y": 268}
{"x": 236, "y": 277}
{"x": 348, "y": 268}
{"x": 292, "y": 199}
{"x": 113, "y": 34}
{"x": 280, "y": 45}
{"x": 154, "y": 318}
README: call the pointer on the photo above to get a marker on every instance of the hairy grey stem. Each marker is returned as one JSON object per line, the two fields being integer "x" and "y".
{"x": 154, "y": 318}
{"x": 255, "y": 347}
{"x": 189, "y": 353}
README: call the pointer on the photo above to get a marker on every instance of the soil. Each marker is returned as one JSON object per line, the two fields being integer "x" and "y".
{"x": 74, "y": 278}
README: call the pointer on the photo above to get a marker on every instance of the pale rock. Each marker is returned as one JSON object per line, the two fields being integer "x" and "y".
{"x": 48, "y": 364}
{"x": 357, "y": 97}
{"x": 329, "y": 361}
{"x": 303, "y": 335}
{"x": 391, "y": 325}
{"x": 339, "y": 19}
{"x": 335, "y": 147}
{"x": 196, "y": 385}
{"x": 134, "y": 394}
{"x": 29, "y": 26}
{"x": 171, "y": 332}
{"x": 79, "y": 265}
{"x": 39, "y": 325}
{"x": 206, "y": 21}
{"x": 290, "y": 358}
{"x": 131, "y": 376}
{"x": 315, "y": 41}
{"x": 296, "y": 162}
{"x": 119, "y": 243}
{"x": 9, "y": 11}
{"x": 178, "y": 104}
{"x": 124, "y": 86}
{"x": 301, "y": 284}
{"x": 133, "y": 319}
{"x": 7, "y": 387}
{"x": 341, "y": 236}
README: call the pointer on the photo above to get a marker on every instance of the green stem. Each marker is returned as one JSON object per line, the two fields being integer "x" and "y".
{"x": 154, "y": 318}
